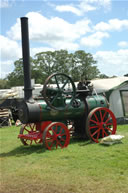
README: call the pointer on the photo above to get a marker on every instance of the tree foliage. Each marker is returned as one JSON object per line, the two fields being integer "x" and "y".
{"x": 83, "y": 66}
{"x": 78, "y": 65}
{"x": 4, "y": 84}
{"x": 16, "y": 78}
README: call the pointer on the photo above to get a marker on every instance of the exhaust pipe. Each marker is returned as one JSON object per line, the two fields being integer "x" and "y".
{"x": 26, "y": 59}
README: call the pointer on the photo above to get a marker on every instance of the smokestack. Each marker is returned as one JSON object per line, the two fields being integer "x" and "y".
{"x": 26, "y": 59}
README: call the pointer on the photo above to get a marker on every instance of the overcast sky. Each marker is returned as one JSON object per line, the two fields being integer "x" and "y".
{"x": 99, "y": 27}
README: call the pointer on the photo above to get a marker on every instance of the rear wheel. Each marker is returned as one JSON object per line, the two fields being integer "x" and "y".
{"x": 31, "y": 129}
{"x": 101, "y": 122}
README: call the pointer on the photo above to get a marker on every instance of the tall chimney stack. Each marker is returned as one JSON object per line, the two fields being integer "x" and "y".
{"x": 26, "y": 59}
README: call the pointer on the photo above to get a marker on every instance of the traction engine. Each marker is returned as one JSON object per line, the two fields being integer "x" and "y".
{"x": 62, "y": 110}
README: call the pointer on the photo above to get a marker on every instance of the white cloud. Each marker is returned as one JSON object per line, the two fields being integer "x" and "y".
{"x": 4, "y": 4}
{"x": 112, "y": 25}
{"x": 9, "y": 49}
{"x": 84, "y": 6}
{"x": 112, "y": 62}
{"x": 123, "y": 44}
{"x": 9, "y": 52}
{"x": 15, "y": 31}
{"x": 94, "y": 40}
{"x": 34, "y": 51}
{"x": 68, "y": 8}
{"x": 54, "y": 32}
{"x": 6, "y": 67}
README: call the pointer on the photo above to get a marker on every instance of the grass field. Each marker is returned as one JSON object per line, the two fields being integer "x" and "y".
{"x": 83, "y": 167}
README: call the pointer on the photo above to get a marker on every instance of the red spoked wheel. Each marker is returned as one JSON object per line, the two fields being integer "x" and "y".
{"x": 30, "y": 134}
{"x": 101, "y": 122}
{"x": 56, "y": 135}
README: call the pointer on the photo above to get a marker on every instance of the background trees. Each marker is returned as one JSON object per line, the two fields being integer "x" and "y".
{"x": 78, "y": 65}
{"x": 16, "y": 78}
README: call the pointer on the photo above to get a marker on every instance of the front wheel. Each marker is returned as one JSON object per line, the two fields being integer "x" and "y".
{"x": 100, "y": 123}
{"x": 56, "y": 135}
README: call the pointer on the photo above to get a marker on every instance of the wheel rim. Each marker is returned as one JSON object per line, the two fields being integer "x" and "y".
{"x": 62, "y": 91}
{"x": 31, "y": 128}
{"x": 56, "y": 135}
{"x": 101, "y": 122}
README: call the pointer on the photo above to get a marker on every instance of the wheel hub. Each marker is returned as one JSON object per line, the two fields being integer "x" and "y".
{"x": 101, "y": 125}
{"x": 59, "y": 137}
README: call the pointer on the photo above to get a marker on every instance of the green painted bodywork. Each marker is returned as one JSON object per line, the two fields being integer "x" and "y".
{"x": 47, "y": 113}
{"x": 96, "y": 101}
{"x": 71, "y": 113}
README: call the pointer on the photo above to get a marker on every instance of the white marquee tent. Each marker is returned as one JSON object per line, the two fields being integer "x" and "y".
{"x": 116, "y": 90}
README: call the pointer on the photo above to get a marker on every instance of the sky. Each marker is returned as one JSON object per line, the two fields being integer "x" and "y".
{"x": 99, "y": 27}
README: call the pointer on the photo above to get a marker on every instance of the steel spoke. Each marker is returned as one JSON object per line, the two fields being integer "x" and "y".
{"x": 31, "y": 127}
{"x": 107, "y": 120}
{"x": 52, "y": 143}
{"x": 98, "y": 135}
{"x": 62, "y": 139}
{"x": 104, "y": 115}
{"x": 53, "y": 131}
{"x": 105, "y": 133}
{"x": 56, "y": 128}
{"x": 64, "y": 84}
{"x": 102, "y": 133}
{"x": 101, "y": 115}
{"x": 59, "y": 143}
{"x": 49, "y": 136}
{"x": 57, "y": 83}
{"x": 94, "y": 132}
{"x": 95, "y": 126}
{"x": 94, "y": 121}
{"x": 27, "y": 130}
{"x": 54, "y": 98}
{"x": 56, "y": 144}
{"x": 49, "y": 140}
{"x": 62, "y": 99}
{"x": 108, "y": 129}
{"x": 109, "y": 124}
{"x": 96, "y": 117}
{"x": 61, "y": 130}
{"x": 63, "y": 134}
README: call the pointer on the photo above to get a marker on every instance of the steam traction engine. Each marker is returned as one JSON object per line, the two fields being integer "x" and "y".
{"x": 46, "y": 119}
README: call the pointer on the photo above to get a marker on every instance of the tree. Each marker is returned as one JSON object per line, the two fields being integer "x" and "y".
{"x": 16, "y": 77}
{"x": 103, "y": 76}
{"x": 51, "y": 62}
{"x": 4, "y": 84}
{"x": 78, "y": 65}
{"x": 82, "y": 66}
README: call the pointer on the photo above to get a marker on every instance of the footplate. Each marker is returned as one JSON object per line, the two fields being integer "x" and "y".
{"x": 30, "y": 136}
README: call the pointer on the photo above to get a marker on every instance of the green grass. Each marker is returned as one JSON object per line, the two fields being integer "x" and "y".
{"x": 82, "y": 167}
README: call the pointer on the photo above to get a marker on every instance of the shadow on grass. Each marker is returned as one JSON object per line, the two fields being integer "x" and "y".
{"x": 27, "y": 150}
{"x": 24, "y": 150}
{"x": 81, "y": 141}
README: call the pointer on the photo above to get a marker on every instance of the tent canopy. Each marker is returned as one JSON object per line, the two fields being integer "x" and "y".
{"x": 104, "y": 85}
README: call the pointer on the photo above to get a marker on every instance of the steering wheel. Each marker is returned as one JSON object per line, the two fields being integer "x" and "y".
{"x": 57, "y": 88}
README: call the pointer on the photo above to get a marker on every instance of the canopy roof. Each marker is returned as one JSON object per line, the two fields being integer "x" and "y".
{"x": 104, "y": 85}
